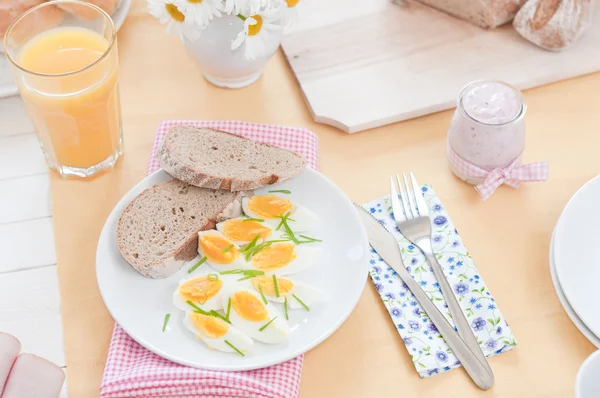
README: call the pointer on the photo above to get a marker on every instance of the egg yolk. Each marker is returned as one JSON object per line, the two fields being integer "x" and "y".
{"x": 245, "y": 230}
{"x": 268, "y": 287}
{"x": 269, "y": 206}
{"x": 199, "y": 289}
{"x": 209, "y": 326}
{"x": 249, "y": 307}
{"x": 274, "y": 257}
{"x": 214, "y": 247}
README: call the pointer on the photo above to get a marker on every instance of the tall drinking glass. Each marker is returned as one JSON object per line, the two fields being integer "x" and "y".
{"x": 65, "y": 64}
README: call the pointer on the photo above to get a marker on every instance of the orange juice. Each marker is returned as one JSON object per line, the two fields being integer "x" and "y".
{"x": 72, "y": 96}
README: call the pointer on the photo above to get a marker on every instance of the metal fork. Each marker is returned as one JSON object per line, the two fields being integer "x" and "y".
{"x": 412, "y": 218}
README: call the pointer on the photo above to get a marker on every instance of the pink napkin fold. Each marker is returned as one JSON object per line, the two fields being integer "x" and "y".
{"x": 133, "y": 371}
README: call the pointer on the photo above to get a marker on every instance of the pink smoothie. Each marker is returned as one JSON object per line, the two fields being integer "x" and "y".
{"x": 488, "y": 129}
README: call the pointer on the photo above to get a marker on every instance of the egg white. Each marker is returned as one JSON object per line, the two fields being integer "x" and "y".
{"x": 233, "y": 335}
{"x": 303, "y": 219}
{"x": 212, "y": 303}
{"x": 238, "y": 263}
{"x": 307, "y": 255}
{"x": 275, "y": 333}
{"x": 240, "y": 242}
{"x": 308, "y": 294}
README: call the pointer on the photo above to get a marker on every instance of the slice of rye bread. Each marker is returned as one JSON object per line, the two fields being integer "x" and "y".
{"x": 158, "y": 231}
{"x": 216, "y": 159}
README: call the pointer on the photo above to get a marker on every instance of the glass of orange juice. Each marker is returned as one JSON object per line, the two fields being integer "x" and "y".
{"x": 64, "y": 58}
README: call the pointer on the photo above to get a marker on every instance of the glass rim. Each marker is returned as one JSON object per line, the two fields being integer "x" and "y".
{"x": 517, "y": 118}
{"x": 56, "y": 2}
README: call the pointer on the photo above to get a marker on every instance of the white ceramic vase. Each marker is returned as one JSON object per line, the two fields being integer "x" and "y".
{"x": 221, "y": 65}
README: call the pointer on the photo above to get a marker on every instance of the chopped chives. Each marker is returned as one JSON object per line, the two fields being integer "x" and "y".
{"x": 236, "y": 350}
{"x": 301, "y": 302}
{"x": 276, "y": 286}
{"x": 309, "y": 239}
{"x": 227, "y": 248}
{"x": 285, "y": 308}
{"x": 217, "y": 315}
{"x": 253, "y": 219}
{"x": 213, "y": 277}
{"x": 266, "y": 325}
{"x": 233, "y": 271}
{"x": 199, "y": 263}
{"x": 245, "y": 278}
{"x": 262, "y": 294}
{"x": 167, "y": 317}
{"x": 286, "y": 191}
{"x": 228, "y": 309}
{"x": 198, "y": 309}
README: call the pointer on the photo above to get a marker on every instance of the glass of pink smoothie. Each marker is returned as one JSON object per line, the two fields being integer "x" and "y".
{"x": 488, "y": 128}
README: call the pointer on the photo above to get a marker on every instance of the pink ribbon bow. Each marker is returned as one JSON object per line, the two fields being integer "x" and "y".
{"x": 512, "y": 175}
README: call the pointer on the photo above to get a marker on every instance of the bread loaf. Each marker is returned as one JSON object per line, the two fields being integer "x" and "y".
{"x": 484, "y": 13}
{"x": 553, "y": 24}
{"x": 158, "y": 231}
{"x": 216, "y": 159}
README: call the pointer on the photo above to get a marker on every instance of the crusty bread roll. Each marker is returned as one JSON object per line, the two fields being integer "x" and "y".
{"x": 219, "y": 160}
{"x": 484, "y": 13}
{"x": 553, "y": 24}
{"x": 46, "y": 18}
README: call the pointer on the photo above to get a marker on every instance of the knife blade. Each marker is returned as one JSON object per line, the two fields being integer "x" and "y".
{"x": 386, "y": 246}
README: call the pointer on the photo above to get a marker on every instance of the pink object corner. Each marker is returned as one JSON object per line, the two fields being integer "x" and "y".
{"x": 10, "y": 347}
{"x": 133, "y": 371}
{"x": 34, "y": 377}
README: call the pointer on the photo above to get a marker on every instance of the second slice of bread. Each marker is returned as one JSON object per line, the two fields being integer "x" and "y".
{"x": 216, "y": 159}
{"x": 158, "y": 231}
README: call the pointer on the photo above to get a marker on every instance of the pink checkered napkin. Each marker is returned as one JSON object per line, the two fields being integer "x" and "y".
{"x": 133, "y": 371}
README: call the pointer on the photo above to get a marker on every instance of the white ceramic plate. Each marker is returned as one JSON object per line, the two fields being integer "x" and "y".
{"x": 7, "y": 84}
{"x": 567, "y": 307}
{"x": 139, "y": 304}
{"x": 587, "y": 383}
{"x": 577, "y": 253}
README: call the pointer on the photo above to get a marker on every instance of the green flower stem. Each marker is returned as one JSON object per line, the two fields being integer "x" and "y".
{"x": 240, "y": 16}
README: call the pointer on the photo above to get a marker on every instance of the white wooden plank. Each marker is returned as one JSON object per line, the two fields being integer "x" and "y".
{"x": 13, "y": 117}
{"x": 26, "y": 244}
{"x": 25, "y": 198}
{"x": 21, "y": 156}
{"x": 30, "y": 310}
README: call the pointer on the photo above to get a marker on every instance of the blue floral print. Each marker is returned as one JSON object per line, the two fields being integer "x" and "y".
{"x": 428, "y": 349}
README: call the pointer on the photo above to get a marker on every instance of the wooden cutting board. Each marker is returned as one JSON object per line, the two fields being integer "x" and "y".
{"x": 366, "y": 63}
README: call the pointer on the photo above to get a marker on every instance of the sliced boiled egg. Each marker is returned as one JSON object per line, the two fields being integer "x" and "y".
{"x": 295, "y": 293}
{"x": 272, "y": 207}
{"x": 205, "y": 291}
{"x": 217, "y": 334}
{"x": 243, "y": 230}
{"x": 221, "y": 253}
{"x": 259, "y": 320}
{"x": 285, "y": 258}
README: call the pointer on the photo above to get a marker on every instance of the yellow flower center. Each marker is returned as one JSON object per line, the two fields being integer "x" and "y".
{"x": 194, "y": 1}
{"x": 174, "y": 12}
{"x": 254, "y": 29}
{"x": 292, "y": 3}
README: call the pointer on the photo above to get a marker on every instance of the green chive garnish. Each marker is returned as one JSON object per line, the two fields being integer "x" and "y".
{"x": 236, "y": 350}
{"x": 228, "y": 308}
{"x": 309, "y": 239}
{"x": 199, "y": 263}
{"x": 217, "y": 315}
{"x": 286, "y": 191}
{"x": 227, "y": 248}
{"x": 233, "y": 271}
{"x": 276, "y": 286}
{"x": 262, "y": 294}
{"x": 253, "y": 219}
{"x": 198, "y": 309}
{"x": 301, "y": 302}
{"x": 213, "y": 277}
{"x": 167, "y": 317}
{"x": 285, "y": 305}
{"x": 266, "y": 325}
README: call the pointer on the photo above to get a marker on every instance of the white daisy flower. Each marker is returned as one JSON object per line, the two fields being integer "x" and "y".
{"x": 289, "y": 12}
{"x": 247, "y": 7}
{"x": 168, "y": 13}
{"x": 199, "y": 11}
{"x": 259, "y": 33}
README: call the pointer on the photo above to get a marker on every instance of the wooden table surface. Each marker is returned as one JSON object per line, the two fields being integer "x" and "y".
{"x": 508, "y": 236}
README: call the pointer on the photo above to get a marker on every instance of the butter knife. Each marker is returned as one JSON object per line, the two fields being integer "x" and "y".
{"x": 386, "y": 246}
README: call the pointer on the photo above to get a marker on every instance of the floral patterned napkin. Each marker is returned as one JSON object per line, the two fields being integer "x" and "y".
{"x": 428, "y": 350}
